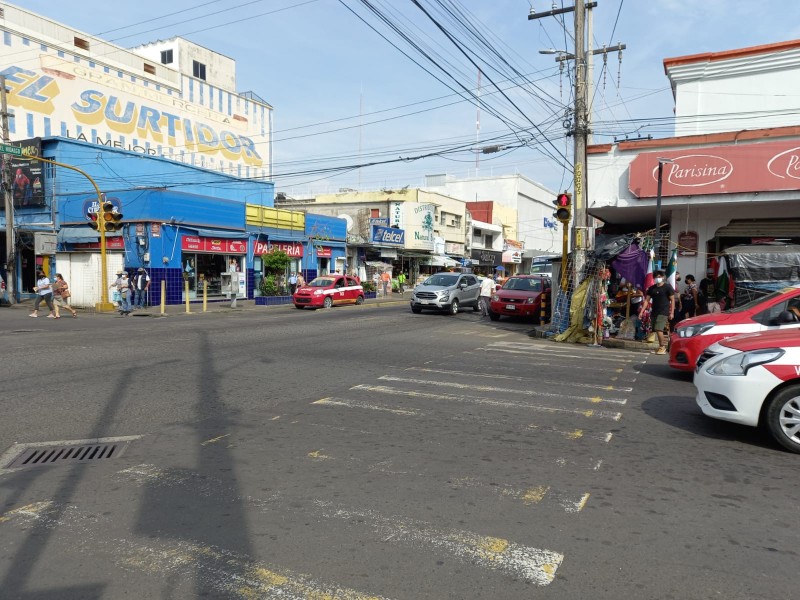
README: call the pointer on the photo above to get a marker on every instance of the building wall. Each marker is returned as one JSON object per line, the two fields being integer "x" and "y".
{"x": 109, "y": 96}
{"x": 532, "y": 201}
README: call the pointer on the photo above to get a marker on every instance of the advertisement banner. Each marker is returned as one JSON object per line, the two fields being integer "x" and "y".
{"x": 112, "y": 243}
{"x": 194, "y": 243}
{"x": 293, "y": 249}
{"x": 762, "y": 167}
{"x": 324, "y": 251}
{"x": 388, "y": 235}
{"x": 27, "y": 177}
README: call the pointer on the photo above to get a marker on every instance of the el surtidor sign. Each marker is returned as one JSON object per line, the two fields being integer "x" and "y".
{"x": 86, "y": 103}
{"x": 760, "y": 167}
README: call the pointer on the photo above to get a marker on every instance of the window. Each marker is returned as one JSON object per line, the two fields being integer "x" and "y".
{"x": 199, "y": 70}
{"x": 81, "y": 43}
{"x": 456, "y": 221}
{"x": 488, "y": 242}
{"x": 166, "y": 57}
{"x": 375, "y": 213}
{"x": 149, "y": 69}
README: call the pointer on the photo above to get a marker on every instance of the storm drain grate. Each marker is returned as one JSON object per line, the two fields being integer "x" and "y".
{"x": 66, "y": 454}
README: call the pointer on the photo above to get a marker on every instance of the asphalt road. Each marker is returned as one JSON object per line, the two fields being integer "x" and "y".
{"x": 366, "y": 452}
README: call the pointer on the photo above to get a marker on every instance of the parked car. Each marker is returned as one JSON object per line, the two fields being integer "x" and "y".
{"x": 446, "y": 292}
{"x": 694, "y": 335}
{"x": 520, "y": 296}
{"x": 754, "y": 379}
{"x": 328, "y": 290}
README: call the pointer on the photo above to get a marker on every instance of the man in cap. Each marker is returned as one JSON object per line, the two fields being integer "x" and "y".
{"x": 141, "y": 283}
{"x": 123, "y": 286}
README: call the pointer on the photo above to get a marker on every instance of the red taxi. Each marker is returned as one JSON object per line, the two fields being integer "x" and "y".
{"x": 692, "y": 336}
{"x": 328, "y": 290}
{"x": 520, "y": 296}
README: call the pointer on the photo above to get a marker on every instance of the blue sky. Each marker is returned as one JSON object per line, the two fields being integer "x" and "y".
{"x": 344, "y": 95}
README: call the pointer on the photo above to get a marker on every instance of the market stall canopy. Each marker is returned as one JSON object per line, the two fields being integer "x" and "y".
{"x": 438, "y": 260}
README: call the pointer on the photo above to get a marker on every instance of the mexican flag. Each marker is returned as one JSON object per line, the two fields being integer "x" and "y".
{"x": 648, "y": 278}
{"x": 725, "y": 287}
{"x": 672, "y": 269}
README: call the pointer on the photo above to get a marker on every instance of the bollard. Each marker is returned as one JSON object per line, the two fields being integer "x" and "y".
{"x": 186, "y": 295}
{"x": 163, "y": 296}
{"x": 543, "y": 311}
{"x": 205, "y": 295}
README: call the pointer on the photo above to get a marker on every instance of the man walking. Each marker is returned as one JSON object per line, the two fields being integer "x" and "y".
{"x": 661, "y": 298}
{"x": 141, "y": 283}
{"x": 292, "y": 283}
{"x": 386, "y": 278}
{"x": 488, "y": 287}
{"x": 401, "y": 283}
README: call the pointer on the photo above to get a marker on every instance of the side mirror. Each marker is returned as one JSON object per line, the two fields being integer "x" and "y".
{"x": 787, "y": 316}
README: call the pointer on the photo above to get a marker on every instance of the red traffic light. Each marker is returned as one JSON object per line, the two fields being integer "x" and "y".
{"x": 93, "y": 220}
{"x": 563, "y": 200}
{"x": 563, "y": 203}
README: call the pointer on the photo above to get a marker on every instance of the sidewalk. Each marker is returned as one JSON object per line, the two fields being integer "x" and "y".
{"x": 195, "y": 308}
{"x": 543, "y": 331}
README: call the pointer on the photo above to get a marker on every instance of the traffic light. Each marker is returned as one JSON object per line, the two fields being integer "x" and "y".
{"x": 563, "y": 204}
{"x": 110, "y": 217}
{"x": 93, "y": 220}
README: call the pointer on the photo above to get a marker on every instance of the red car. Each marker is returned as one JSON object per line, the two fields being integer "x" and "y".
{"x": 327, "y": 290}
{"x": 520, "y": 296}
{"x": 692, "y": 336}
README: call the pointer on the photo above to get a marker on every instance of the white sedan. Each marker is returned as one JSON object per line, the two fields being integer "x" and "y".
{"x": 754, "y": 379}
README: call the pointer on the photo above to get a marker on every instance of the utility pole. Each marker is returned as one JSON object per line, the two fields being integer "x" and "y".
{"x": 11, "y": 255}
{"x": 581, "y": 241}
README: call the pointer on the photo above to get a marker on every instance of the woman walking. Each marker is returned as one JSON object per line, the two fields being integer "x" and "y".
{"x": 44, "y": 291}
{"x": 61, "y": 295}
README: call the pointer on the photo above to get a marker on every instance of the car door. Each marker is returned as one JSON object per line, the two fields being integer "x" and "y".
{"x": 473, "y": 290}
{"x": 352, "y": 290}
{"x": 339, "y": 291}
{"x": 768, "y": 318}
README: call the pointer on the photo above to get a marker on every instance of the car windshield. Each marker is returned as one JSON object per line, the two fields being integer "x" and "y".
{"x": 445, "y": 280}
{"x": 523, "y": 284}
{"x": 321, "y": 282}
{"x": 753, "y": 303}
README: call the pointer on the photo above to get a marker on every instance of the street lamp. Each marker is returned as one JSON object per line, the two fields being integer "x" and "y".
{"x": 657, "y": 240}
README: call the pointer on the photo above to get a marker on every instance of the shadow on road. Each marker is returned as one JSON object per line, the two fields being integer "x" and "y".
{"x": 683, "y": 413}
{"x": 664, "y": 371}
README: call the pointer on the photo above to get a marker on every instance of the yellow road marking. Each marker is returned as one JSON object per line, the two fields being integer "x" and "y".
{"x": 214, "y": 440}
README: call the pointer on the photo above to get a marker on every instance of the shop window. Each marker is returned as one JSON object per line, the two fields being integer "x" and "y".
{"x": 166, "y": 57}
{"x": 199, "y": 70}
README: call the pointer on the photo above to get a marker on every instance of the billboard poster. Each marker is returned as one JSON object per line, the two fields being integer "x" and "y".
{"x": 27, "y": 177}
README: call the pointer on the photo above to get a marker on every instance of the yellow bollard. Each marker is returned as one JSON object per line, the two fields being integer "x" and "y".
{"x": 543, "y": 311}
{"x": 163, "y": 296}
{"x": 186, "y": 295}
{"x": 205, "y": 295}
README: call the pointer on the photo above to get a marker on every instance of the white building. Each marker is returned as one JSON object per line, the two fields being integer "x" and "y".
{"x": 733, "y": 174}
{"x": 171, "y": 98}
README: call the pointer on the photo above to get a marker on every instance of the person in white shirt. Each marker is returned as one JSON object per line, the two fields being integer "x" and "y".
{"x": 488, "y": 287}
{"x": 44, "y": 291}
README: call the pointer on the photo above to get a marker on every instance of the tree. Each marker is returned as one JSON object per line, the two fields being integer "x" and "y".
{"x": 274, "y": 264}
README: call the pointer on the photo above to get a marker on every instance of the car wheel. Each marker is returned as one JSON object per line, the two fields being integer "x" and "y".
{"x": 475, "y": 307}
{"x": 328, "y": 302}
{"x": 298, "y": 307}
{"x": 454, "y": 307}
{"x": 494, "y": 316}
{"x": 416, "y": 311}
{"x": 783, "y": 418}
{"x": 360, "y": 300}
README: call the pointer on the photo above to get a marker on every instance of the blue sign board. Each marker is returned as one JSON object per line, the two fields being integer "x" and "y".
{"x": 388, "y": 235}
{"x": 379, "y": 221}
{"x": 92, "y": 205}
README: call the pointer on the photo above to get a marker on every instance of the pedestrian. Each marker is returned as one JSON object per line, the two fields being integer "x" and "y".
{"x": 141, "y": 283}
{"x": 61, "y": 296}
{"x": 44, "y": 292}
{"x": 123, "y": 287}
{"x": 401, "y": 283}
{"x": 292, "y": 283}
{"x": 660, "y": 298}
{"x": 689, "y": 299}
{"x": 386, "y": 279}
{"x": 301, "y": 281}
{"x": 708, "y": 303}
{"x": 488, "y": 288}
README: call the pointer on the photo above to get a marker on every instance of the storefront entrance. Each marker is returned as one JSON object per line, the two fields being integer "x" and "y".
{"x": 202, "y": 269}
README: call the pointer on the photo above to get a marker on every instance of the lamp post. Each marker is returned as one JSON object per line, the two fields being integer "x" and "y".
{"x": 657, "y": 238}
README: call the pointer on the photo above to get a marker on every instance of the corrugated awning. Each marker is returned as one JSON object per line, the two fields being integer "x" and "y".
{"x": 81, "y": 235}
{"x": 774, "y": 228}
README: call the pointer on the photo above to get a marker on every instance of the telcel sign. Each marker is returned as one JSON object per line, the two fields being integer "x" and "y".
{"x": 388, "y": 235}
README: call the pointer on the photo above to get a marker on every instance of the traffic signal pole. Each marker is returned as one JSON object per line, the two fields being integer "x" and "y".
{"x": 104, "y": 305}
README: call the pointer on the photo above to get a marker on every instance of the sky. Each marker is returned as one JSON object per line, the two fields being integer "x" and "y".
{"x": 379, "y": 94}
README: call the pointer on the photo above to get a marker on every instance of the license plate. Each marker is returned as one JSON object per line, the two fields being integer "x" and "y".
{"x": 510, "y": 307}
{"x": 426, "y": 302}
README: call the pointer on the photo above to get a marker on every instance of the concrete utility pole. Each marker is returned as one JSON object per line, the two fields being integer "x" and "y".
{"x": 581, "y": 241}
{"x": 11, "y": 258}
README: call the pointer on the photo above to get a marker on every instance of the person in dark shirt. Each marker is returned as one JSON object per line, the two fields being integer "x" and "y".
{"x": 660, "y": 297}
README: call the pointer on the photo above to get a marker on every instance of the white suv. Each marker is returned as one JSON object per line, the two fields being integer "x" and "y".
{"x": 446, "y": 292}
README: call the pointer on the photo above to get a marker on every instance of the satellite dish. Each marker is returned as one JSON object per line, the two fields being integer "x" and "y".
{"x": 349, "y": 220}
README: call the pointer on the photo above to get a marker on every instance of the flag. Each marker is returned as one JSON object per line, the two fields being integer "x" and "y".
{"x": 672, "y": 269}
{"x": 648, "y": 278}
{"x": 724, "y": 289}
